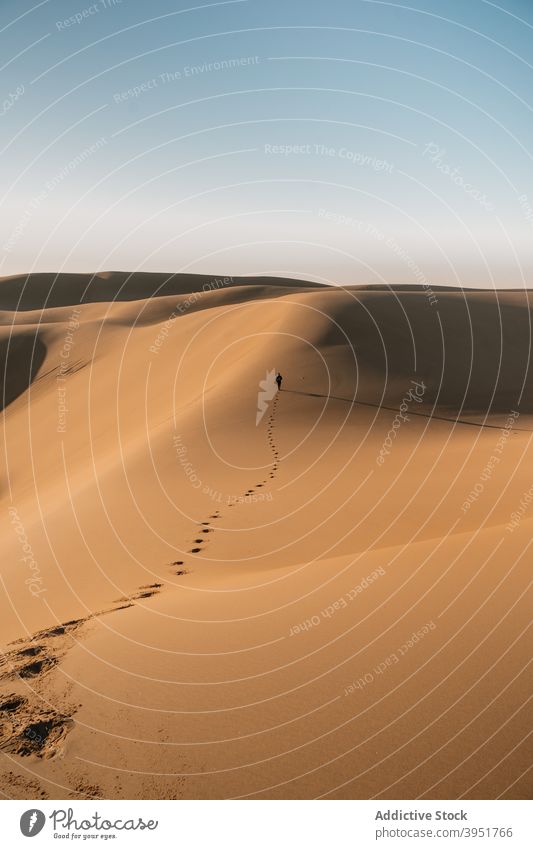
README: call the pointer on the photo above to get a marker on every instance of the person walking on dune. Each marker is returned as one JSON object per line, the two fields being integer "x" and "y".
{"x": 278, "y": 380}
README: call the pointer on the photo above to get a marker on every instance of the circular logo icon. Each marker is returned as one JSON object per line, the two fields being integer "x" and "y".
{"x": 32, "y": 822}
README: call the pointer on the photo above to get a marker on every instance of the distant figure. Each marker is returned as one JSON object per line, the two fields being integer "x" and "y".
{"x": 278, "y": 380}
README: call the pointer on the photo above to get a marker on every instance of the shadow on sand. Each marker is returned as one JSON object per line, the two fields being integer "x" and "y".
{"x": 21, "y": 357}
{"x": 396, "y": 410}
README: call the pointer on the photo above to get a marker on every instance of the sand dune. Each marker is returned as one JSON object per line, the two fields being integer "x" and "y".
{"x": 331, "y": 603}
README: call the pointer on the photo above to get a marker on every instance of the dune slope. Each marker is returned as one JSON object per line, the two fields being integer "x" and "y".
{"x": 332, "y": 601}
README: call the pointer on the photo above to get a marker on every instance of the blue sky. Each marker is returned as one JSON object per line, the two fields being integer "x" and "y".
{"x": 348, "y": 142}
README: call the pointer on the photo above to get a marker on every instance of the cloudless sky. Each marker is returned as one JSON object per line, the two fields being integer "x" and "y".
{"x": 347, "y": 141}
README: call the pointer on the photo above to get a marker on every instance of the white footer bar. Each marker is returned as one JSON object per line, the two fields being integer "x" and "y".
{"x": 270, "y": 824}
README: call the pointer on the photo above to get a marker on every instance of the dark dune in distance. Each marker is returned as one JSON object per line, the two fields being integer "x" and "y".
{"x": 470, "y": 347}
{"x": 35, "y": 291}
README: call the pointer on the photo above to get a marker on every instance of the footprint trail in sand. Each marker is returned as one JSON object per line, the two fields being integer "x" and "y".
{"x": 205, "y": 524}
{"x": 29, "y": 725}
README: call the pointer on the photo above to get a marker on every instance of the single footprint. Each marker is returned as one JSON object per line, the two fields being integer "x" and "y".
{"x": 12, "y": 703}
{"x": 36, "y": 732}
{"x": 59, "y": 630}
{"x": 177, "y": 563}
{"x": 198, "y": 540}
{"x": 31, "y": 670}
{"x": 31, "y": 651}
{"x": 195, "y": 550}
